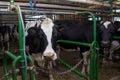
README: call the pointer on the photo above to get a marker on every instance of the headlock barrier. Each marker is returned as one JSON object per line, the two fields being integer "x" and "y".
{"x": 93, "y": 52}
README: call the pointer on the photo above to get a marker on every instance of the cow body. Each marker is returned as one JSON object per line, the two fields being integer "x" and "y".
{"x": 83, "y": 32}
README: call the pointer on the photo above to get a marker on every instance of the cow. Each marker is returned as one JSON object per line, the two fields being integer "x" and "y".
{"x": 4, "y": 37}
{"x": 41, "y": 43}
{"x": 83, "y": 32}
{"x": 115, "y": 45}
{"x": 14, "y": 33}
{"x": 41, "y": 39}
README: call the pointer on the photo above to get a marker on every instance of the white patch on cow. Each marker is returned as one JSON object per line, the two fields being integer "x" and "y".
{"x": 106, "y": 24}
{"x": 118, "y": 29}
{"x": 85, "y": 62}
{"x": 47, "y": 27}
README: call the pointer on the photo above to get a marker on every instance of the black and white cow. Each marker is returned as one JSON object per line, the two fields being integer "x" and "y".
{"x": 14, "y": 33}
{"x": 4, "y": 37}
{"x": 41, "y": 42}
{"x": 83, "y": 32}
{"x": 42, "y": 39}
{"x": 115, "y": 45}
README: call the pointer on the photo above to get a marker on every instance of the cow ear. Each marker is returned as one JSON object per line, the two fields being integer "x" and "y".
{"x": 35, "y": 25}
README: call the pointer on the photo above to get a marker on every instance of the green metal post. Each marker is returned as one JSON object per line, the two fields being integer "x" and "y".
{"x": 21, "y": 50}
{"x": 31, "y": 73}
{"x": 11, "y": 2}
{"x": 21, "y": 46}
{"x": 5, "y": 67}
{"x": 111, "y": 7}
{"x": 94, "y": 65}
{"x": 14, "y": 76}
{"x": 93, "y": 55}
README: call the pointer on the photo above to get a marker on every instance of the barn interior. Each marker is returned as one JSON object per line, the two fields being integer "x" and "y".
{"x": 62, "y": 10}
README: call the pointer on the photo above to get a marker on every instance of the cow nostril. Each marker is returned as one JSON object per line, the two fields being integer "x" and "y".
{"x": 105, "y": 43}
{"x": 48, "y": 55}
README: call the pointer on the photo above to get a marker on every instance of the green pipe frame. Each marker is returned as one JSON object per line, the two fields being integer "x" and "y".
{"x": 19, "y": 58}
{"x": 93, "y": 53}
{"x": 111, "y": 7}
{"x": 116, "y": 37}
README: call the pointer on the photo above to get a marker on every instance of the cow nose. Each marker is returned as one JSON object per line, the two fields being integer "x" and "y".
{"x": 105, "y": 43}
{"x": 50, "y": 56}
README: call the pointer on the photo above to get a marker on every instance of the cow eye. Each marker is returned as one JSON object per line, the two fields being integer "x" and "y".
{"x": 101, "y": 27}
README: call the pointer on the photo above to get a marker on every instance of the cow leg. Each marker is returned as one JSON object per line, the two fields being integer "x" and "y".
{"x": 50, "y": 67}
{"x": 114, "y": 46}
{"x": 1, "y": 42}
{"x": 6, "y": 41}
{"x": 16, "y": 35}
{"x": 85, "y": 67}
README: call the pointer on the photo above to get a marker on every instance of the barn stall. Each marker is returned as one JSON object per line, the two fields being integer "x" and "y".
{"x": 64, "y": 11}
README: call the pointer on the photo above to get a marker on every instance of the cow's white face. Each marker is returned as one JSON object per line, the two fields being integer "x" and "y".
{"x": 47, "y": 27}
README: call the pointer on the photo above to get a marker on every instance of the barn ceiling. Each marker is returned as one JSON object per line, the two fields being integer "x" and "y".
{"x": 59, "y": 6}
{"x": 85, "y": 4}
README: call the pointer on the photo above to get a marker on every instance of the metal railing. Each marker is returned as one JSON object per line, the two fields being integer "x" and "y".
{"x": 21, "y": 58}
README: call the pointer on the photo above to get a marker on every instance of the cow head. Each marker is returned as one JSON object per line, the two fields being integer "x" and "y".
{"x": 50, "y": 33}
{"x": 106, "y": 31}
{"x": 42, "y": 39}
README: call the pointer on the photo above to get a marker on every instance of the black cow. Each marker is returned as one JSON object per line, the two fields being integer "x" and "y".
{"x": 4, "y": 37}
{"x": 83, "y": 32}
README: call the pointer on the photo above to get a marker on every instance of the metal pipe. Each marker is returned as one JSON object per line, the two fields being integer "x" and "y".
{"x": 74, "y": 42}
{"x": 21, "y": 43}
{"x": 111, "y": 6}
{"x": 10, "y": 55}
{"x": 116, "y": 37}
{"x": 14, "y": 63}
{"x": 31, "y": 72}
{"x": 11, "y": 2}
{"x": 49, "y": 6}
{"x": 5, "y": 67}
{"x": 93, "y": 62}
{"x": 94, "y": 3}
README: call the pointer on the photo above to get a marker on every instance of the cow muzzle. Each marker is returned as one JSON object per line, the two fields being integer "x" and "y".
{"x": 49, "y": 56}
{"x": 105, "y": 44}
